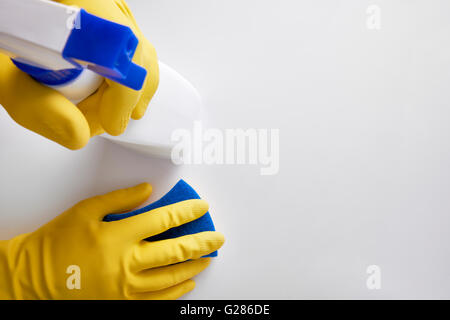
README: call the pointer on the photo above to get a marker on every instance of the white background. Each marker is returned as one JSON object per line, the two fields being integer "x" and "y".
{"x": 364, "y": 146}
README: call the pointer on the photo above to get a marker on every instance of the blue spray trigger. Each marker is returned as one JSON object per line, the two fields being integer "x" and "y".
{"x": 106, "y": 47}
{"x": 180, "y": 192}
{"x": 134, "y": 78}
{"x": 48, "y": 77}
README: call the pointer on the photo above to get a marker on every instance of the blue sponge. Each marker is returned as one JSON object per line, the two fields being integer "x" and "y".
{"x": 180, "y": 192}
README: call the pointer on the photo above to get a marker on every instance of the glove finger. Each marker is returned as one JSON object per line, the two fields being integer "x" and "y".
{"x": 116, "y": 105}
{"x": 165, "y": 277}
{"x": 118, "y": 102}
{"x": 115, "y": 201}
{"x": 123, "y": 6}
{"x": 158, "y": 220}
{"x": 41, "y": 109}
{"x": 166, "y": 252}
{"x": 150, "y": 63}
{"x": 172, "y": 293}
{"x": 90, "y": 108}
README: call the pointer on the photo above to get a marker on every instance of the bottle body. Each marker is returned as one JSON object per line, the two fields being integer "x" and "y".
{"x": 175, "y": 106}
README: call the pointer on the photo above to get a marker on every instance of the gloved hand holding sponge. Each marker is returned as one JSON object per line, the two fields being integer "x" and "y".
{"x": 50, "y": 114}
{"x": 107, "y": 251}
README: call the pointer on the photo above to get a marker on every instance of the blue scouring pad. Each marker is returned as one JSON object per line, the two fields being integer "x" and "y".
{"x": 180, "y": 192}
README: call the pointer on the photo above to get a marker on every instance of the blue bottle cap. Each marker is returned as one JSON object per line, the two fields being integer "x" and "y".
{"x": 105, "y": 47}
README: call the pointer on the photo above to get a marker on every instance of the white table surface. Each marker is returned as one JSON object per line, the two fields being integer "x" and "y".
{"x": 364, "y": 146}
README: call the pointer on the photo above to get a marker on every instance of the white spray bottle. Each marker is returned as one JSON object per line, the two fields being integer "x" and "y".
{"x": 71, "y": 50}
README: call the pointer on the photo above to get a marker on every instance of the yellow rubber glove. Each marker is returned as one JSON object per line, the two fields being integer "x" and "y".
{"x": 79, "y": 256}
{"x": 48, "y": 113}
